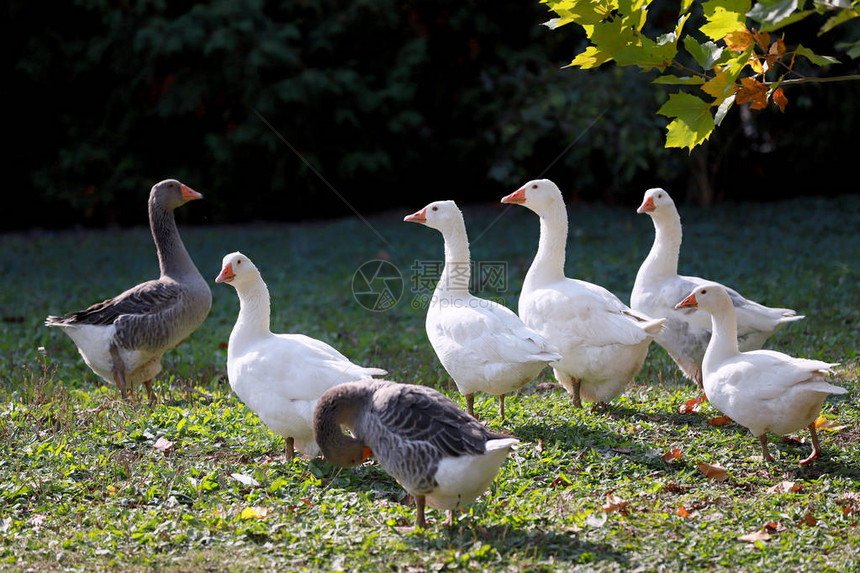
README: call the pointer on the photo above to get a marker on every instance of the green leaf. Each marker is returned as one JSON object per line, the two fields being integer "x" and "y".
{"x": 671, "y": 80}
{"x": 815, "y": 58}
{"x": 724, "y": 17}
{"x": 693, "y": 121}
{"x": 706, "y": 55}
{"x": 772, "y": 12}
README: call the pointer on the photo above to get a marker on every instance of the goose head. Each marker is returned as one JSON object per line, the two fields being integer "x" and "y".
{"x": 238, "y": 270}
{"x": 439, "y": 215}
{"x": 540, "y": 195}
{"x": 656, "y": 200}
{"x": 710, "y": 297}
{"x": 170, "y": 194}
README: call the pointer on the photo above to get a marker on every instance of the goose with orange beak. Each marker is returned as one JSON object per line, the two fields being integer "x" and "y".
{"x": 122, "y": 339}
{"x": 603, "y": 342}
{"x": 279, "y": 377}
{"x": 658, "y": 287}
{"x": 483, "y": 345}
{"x": 762, "y": 390}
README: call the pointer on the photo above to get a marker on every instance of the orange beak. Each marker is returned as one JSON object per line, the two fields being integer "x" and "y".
{"x": 516, "y": 198}
{"x": 647, "y": 206}
{"x": 189, "y": 194}
{"x": 417, "y": 217}
{"x": 366, "y": 453}
{"x": 689, "y": 302}
{"x": 226, "y": 274}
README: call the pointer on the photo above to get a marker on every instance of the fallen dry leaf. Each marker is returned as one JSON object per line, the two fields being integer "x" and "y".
{"x": 760, "y": 535}
{"x": 714, "y": 472}
{"x": 163, "y": 444}
{"x": 615, "y": 503}
{"x": 686, "y": 513}
{"x": 690, "y": 406}
{"x": 719, "y": 421}
{"x": 808, "y": 519}
{"x": 672, "y": 454}
{"x": 784, "y": 487}
{"x": 822, "y": 423}
{"x": 774, "y": 527}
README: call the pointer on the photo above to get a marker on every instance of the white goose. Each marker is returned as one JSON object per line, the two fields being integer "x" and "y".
{"x": 438, "y": 453}
{"x": 279, "y": 376}
{"x": 762, "y": 390}
{"x": 122, "y": 339}
{"x": 484, "y": 346}
{"x": 658, "y": 287}
{"x": 602, "y": 341}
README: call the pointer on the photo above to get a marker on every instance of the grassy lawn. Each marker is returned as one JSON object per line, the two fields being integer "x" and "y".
{"x": 88, "y": 482}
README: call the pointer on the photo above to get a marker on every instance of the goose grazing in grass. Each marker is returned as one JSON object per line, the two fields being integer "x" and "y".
{"x": 483, "y": 345}
{"x": 762, "y": 390}
{"x": 122, "y": 339}
{"x": 279, "y": 377}
{"x": 658, "y": 287}
{"x": 603, "y": 342}
{"x": 436, "y": 451}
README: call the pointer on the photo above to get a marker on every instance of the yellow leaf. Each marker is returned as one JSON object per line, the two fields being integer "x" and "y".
{"x": 591, "y": 57}
{"x": 823, "y": 423}
{"x": 720, "y": 86}
{"x": 256, "y": 512}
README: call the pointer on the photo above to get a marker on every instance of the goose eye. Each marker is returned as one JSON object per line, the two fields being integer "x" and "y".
{"x": 659, "y": 195}
{"x": 704, "y": 291}
{"x": 435, "y": 209}
{"x": 534, "y": 186}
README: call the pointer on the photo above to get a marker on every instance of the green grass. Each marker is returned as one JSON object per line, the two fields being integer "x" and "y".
{"x": 84, "y": 487}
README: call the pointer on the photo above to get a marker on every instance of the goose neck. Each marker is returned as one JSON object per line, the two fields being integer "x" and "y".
{"x": 724, "y": 338}
{"x": 173, "y": 259}
{"x": 662, "y": 260}
{"x": 458, "y": 269}
{"x": 548, "y": 263}
{"x": 254, "y": 310}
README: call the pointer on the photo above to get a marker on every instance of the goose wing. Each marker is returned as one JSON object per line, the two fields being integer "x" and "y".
{"x": 418, "y": 414}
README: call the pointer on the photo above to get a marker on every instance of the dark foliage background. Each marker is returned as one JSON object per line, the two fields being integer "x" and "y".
{"x": 298, "y": 109}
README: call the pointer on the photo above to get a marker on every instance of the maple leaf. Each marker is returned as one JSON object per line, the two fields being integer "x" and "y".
{"x": 693, "y": 121}
{"x": 714, "y": 472}
{"x": 739, "y": 41}
{"x": 720, "y": 86}
{"x": 724, "y": 17}
{"x": 752, "y": 91}
{"x": 808, "y": 519}
{"x": 762, "y": 39}
{"x": 719, "y": 421}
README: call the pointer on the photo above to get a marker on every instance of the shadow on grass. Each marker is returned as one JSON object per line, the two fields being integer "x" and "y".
{"x": 558, "y": 546}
